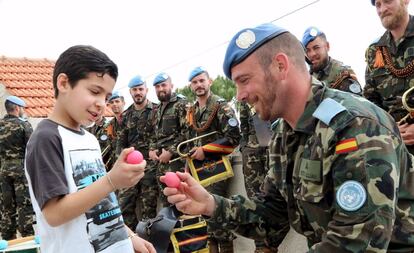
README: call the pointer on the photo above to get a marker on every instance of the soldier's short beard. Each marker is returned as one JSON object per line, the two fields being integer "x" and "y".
{"x": 320, "y": 66}
{"x": 165, "y": 98}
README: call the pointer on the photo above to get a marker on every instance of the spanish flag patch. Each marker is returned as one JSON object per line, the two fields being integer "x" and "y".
{"x": 346, "y": 146}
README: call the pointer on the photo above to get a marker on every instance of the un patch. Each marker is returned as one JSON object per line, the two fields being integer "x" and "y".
{"x": 351, "y": 195}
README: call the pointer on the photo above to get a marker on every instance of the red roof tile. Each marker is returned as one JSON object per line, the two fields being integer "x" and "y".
{"x": 31, "y": 80}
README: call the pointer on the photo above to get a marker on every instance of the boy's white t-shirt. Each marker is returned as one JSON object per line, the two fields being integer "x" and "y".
{"x": 60, "y": 161}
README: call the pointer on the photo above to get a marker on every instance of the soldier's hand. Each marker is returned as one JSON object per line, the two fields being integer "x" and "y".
{"x": 198, "y": 153}
{"x": 153, "y": 155}
{"x": 165, "y": 156}
{"x": 190, "y": 197}
{"x": 407, "y": 133}
{"x": 124, "y": 175}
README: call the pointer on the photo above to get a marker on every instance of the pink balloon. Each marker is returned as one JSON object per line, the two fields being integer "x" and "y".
{"x": 135, "y": 157}
{"x": 172, "y": 180}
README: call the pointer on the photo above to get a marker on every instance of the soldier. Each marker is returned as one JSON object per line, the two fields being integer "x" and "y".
{"x": 339, "y": 172}
{"x": 212, "y": 113}
{"x": 137, "y": 129}
{"x": 14, "y": 134}
{"x": 390, "y": 71}
{"x": 116, "y": 103}
{"x": 323, "y": 67}
{"x": 255, "y": 136}
{"x": 170, "y": 128}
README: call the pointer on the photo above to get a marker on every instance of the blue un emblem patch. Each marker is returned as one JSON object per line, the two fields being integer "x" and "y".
{"x": 351, "y": 195}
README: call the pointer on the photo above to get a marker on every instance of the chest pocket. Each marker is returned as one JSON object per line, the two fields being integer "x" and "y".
{"x": 169, "y": 124}
{"x": 309, "y": 181}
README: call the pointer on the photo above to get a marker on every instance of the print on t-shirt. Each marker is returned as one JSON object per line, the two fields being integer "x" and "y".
{"x": 104, "y": 221}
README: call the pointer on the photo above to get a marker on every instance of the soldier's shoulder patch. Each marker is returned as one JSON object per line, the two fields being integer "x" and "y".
{"x": 351, "y": 196}
{"x": 355, "y": 87}
{"x": 327, "y": 110}
{"x": 346, "y": 146}
{"x": 23, "y": 119}
{"x": 233, "y": 122}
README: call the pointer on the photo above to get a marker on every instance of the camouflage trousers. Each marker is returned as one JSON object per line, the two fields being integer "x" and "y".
{"x": 17, "y": 211}
{"x": 162, "y": 168}
{"x": 254, "y": 170}
{"x": 139, "y": 202}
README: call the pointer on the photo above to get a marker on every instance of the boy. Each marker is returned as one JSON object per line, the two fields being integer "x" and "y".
{"x": 73, "y": 197}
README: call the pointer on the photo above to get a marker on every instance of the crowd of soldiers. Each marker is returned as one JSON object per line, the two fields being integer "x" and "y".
{"x": 156, "y": 130}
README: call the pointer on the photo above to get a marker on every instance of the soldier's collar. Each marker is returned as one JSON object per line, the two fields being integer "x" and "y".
{"x": 386, "y": 38}
{"x": 307, "y": 122}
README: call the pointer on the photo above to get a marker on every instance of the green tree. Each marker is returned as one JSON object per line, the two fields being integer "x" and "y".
{"x": 222, "y": 87}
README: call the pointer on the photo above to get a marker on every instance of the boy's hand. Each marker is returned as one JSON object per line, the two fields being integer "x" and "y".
{"x": 124, "y": 175}
{"x": 190, "y": 197}
{"x": 142, "y": 246}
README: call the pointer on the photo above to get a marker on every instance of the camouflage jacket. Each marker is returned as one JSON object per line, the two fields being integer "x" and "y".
{"x": 339, "y": 76}
{"x": 222, "y": 122}
{"x": 382, "y": 87}
{"x": 14, "y": 134}
{"x": 137, "y": 128}
{"x": 170, "y": 126}
{"x": 247, "y": 130}
{"x": 100, "y": 133}
{"x": 334, "y": 179}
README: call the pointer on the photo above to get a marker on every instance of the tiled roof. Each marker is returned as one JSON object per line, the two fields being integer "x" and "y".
{"x": 31, "y": 80}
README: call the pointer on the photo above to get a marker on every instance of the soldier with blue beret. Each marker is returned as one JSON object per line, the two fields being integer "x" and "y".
{"x": 211, "y": 113}
{"x": 170, "y": 128}
{"x": 137, "y": 130}
{"x": 16, "y": 209}
{"x": 339, "y": 172}
{"x": 332, "y": 72}
{"x": 115, "y": 94}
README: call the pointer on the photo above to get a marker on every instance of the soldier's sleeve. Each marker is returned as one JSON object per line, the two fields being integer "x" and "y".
{"x": 229, "y": 124}
{"x": 350, "y": 82}
{"x": 28, "y": 130}
{"x": 122, "y": 135}
{"x": 263, "y": 217}
{"x": 364, "y": 162}
{"x": 370, "y": 89}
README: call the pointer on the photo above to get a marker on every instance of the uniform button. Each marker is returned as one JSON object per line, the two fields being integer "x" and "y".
{"x": 349, "y": 175}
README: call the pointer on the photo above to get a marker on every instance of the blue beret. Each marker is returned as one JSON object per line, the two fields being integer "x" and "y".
{"x": 16, "y": 100}
{"x": 136, "y": 81}
{"x": 373, "y": 2}
{"x": 246, "y": 41}
{"x": 161, "y": 77}
{"x": 310, "y": 34}
{"x": 115, "y": 94}
{"x": 195, "y": 72}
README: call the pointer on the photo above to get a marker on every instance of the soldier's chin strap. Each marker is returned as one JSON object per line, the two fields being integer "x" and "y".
{"x": 158, "y": 230}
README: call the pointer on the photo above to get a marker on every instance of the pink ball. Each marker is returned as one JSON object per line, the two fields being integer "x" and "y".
{"x": 135, "y": 157}
{"x": 172, "y": 180}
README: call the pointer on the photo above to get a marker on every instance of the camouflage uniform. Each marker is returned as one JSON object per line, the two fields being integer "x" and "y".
{"x": 113, "y": 129}
{"x": 137, "y": 130}
{"x": 99, "y": 130}
{"x": 170, "y": 130}
{"x": 311, "y": 171}
{"x": 254, "y": 158}
{"x": 338, "y": 76}
{"x": 220, "y": 124}
{"x": 14, "y": 134}
{"x": 383, "y": 87}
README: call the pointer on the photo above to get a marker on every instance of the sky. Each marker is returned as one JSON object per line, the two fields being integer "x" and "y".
{"x": 147, "y": 37}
